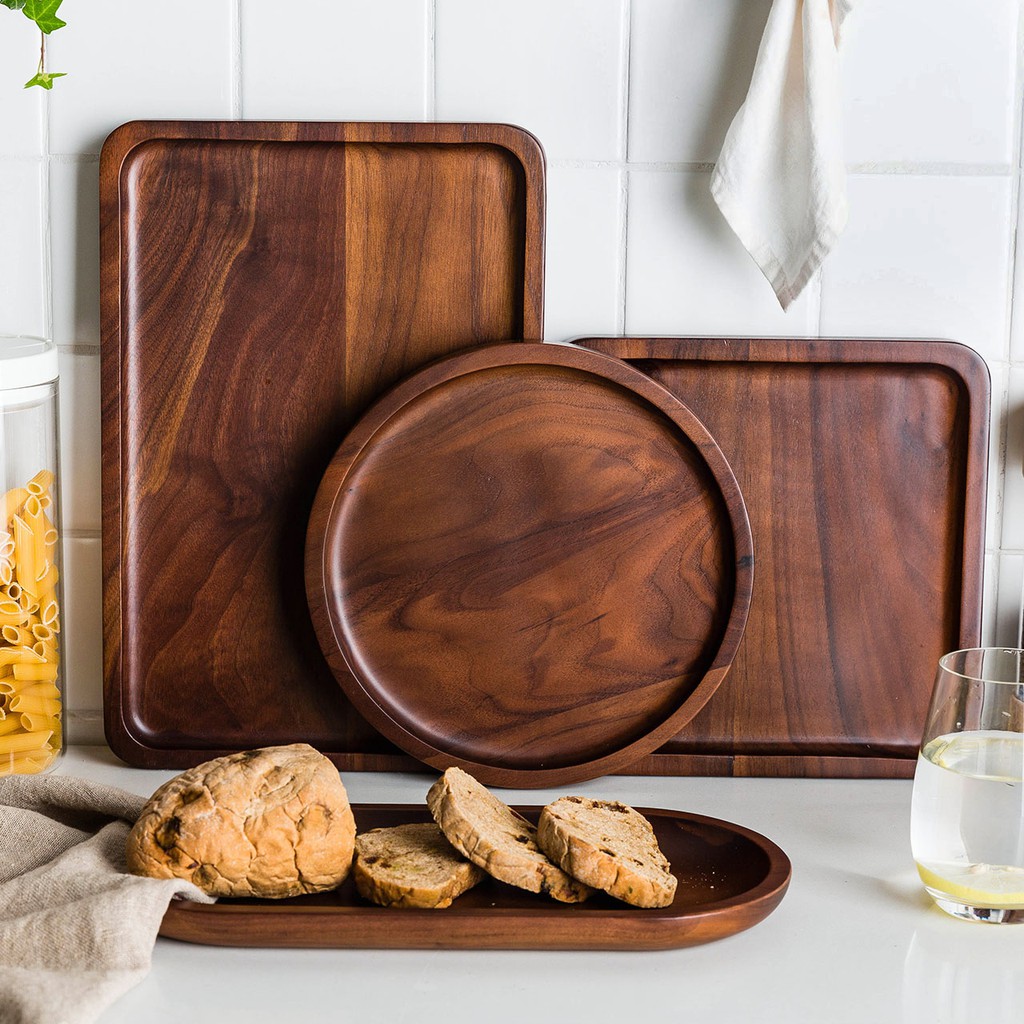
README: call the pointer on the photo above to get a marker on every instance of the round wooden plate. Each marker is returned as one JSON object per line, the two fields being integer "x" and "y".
{"x": 530, "y": 561}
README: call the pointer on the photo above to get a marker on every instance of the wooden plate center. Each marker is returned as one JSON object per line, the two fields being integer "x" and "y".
{"x": 528, "y": 566}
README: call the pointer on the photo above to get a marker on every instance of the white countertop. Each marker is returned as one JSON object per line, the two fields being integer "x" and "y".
{"x": 855, "y": 939}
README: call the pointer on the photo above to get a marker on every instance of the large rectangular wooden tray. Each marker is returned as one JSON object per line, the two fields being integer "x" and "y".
{"x": 730, "y": 878}
{"x": 262, "y": 283}
{"x": 863, "y": 469}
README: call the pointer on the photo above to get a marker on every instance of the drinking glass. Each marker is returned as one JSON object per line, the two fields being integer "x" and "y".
{"x": 967, "y": 816}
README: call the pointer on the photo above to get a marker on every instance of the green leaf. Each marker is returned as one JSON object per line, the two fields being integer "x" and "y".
{"x": 14, "y": 5}
{"x": 44, "y": 78}
{"x": 44, "y": 14}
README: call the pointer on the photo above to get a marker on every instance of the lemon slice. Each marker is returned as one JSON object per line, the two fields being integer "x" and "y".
{"x": 980, "y": 885}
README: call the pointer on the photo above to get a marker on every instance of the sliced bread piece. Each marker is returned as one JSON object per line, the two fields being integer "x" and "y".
{"x": 411, "y": 866}
{"x": 608, "y": 845}
{"x": 496, "y": 838}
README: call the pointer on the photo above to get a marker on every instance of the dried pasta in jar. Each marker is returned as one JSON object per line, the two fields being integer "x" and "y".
{"x": 32, "y": 721}
{"x": 31, "y": 703}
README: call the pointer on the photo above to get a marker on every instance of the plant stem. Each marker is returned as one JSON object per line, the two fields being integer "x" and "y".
{"x": 42, "y": 51}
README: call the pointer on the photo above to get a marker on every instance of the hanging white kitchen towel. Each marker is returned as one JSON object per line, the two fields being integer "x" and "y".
{"x": 76, "y": 931}
{"x": 780, "y": 180}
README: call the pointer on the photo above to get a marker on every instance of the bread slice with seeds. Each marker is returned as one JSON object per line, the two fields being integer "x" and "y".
{"x": 608, "y": 845}
{"x": 496, "y": 838}
{"x": 411, "y": 866}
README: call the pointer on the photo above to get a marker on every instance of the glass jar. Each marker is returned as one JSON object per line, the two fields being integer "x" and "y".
{"x": 31, "y": 597}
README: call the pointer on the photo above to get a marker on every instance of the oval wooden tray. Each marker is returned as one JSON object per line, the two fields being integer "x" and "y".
{"x": 530, "y": 561}
{"x": 730, "y": 878}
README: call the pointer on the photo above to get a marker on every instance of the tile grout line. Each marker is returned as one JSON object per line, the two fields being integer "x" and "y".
{"x": 1004, "y": 447}
{"x": 1004, "y": 399}
{"x": 236, "y": 59}
{"x": 937, "y": 169}
{"x": 430, "y": 64}
{"x": 817, "y": 286}
{"x": 78, "y": 349}
{"x": 1019, "y": 640}
{"x": 624, "y": 175}
{"x": 920, "y": 170}
{"x": 83, "y": 534}
{"x": 73, "y": 159}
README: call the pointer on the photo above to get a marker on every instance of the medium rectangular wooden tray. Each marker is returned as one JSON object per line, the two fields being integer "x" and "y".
{"x": 262, "y": 283}
{"x": 863, "y": 469}
{"x": 730, "y": 878}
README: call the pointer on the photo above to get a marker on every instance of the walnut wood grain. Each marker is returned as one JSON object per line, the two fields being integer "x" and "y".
{"x": 262, "y": 283}
{"x": 730, "y": 879}
{"x": 863, "y": 467}
{"x": 529, "y": 561}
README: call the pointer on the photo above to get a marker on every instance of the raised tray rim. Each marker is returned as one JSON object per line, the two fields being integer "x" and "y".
{"x": 540, "y": 924}
{"x": 972, "y": 372}
{"x": 330, "y": 496}
{"x": 125, "y": 737}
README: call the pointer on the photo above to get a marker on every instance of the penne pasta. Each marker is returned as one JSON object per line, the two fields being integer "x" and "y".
{"x": 45, "y": 672}
{"x": 11, "y": 687}
{"x": 17, "y": 636}
{"x": 41, "y": 482}
{"x": 13, "y": 501}
{"x": 42, "y": 689}
{"x": 25, "y": 570}
{"x": 47, "y": 650}
{"x": 30, "y": 693}
{"x": 23, "y": 705}
{"x": 20, "y": 656}
{"x": 16, "y": 742}
{"x": 49, "y": 612}
{"x": 27, "y": 762}
{"x": 47, "y": 578}
{"x": 32, "y": 721}
{"x": 11, "y": 613}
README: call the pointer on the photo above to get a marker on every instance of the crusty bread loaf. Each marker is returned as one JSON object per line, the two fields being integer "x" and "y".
{"x": 273, "y": 822}
{"x": 608, "y": 845}
{"x": 496, "y": 838}
{"x": 411, "y": 866}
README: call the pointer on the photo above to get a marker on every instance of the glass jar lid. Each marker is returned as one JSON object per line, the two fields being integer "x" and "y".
{"x": 26, "y": 362}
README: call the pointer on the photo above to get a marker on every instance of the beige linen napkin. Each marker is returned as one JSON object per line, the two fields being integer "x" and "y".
{"x": 780, "y": 180}
{"x": 76, "y": 931}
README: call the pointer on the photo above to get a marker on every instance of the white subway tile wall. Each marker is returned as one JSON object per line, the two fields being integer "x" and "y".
{"x": 75, "y": 250}
{"x": 554, "y": 68}
{"x": 584, "y": 282}
{"x": 924, "y": 256}
{"x": 931, "y": 83}
{"x": 689, "y": 69}
{"x": 687, "y": 273}
{"x": 127, "y": 59}
{"x": 631, "y": 100}
{"x": 22, "y": 119}
{"x": 22, "y": 245}
{"x": 80, "y": 441}
{"x": 339, "y": 61}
